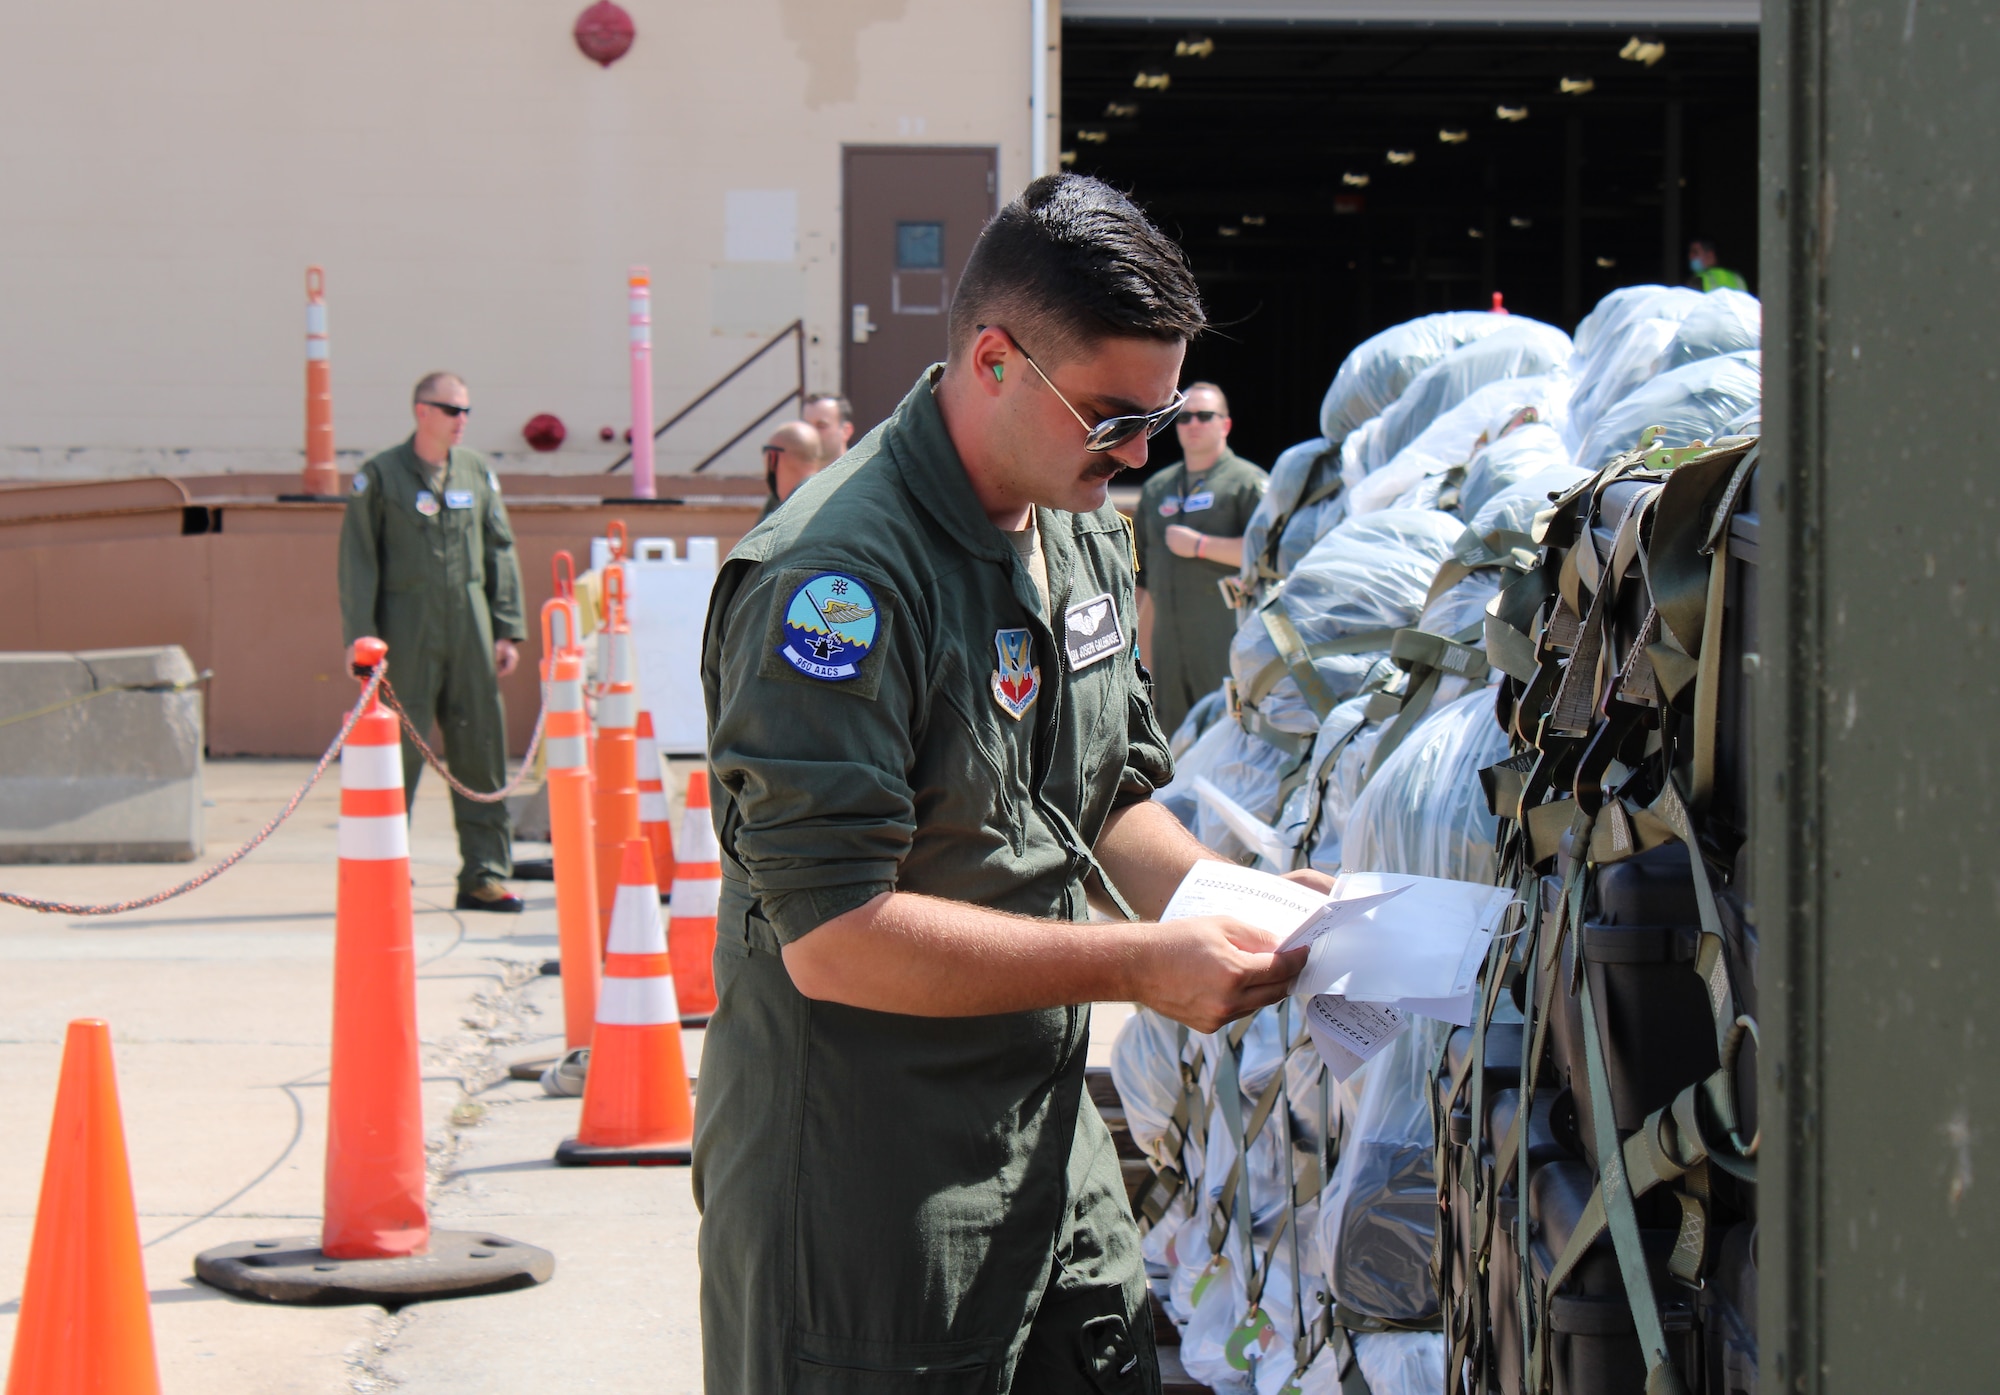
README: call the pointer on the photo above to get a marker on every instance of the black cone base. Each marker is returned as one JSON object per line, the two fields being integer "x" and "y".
{"x": 532, "y": 1068}
{"x": 570, "y": 1153}
{"x": 460, "y": 1264}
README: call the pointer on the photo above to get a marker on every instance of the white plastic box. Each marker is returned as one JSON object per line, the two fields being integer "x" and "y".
{"x": 667, "y": 608}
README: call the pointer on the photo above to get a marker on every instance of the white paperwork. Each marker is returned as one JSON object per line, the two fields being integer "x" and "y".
{"x": 1383, "y": 946}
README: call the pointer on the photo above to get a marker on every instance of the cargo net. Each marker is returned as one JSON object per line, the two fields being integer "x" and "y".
{"x": 378, "y": 682}
{"x": 1419, "y": 608}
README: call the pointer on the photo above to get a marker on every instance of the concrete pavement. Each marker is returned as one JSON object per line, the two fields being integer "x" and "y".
{"x": 220, "y": 1007}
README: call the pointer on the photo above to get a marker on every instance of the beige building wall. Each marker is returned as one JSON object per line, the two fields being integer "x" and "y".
{"x": 475, "y": 189}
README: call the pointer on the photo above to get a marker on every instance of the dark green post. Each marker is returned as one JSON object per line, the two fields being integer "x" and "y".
{"x": 1878, "y": 782}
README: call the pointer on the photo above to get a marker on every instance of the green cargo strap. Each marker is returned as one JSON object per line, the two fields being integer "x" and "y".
{"x": 1297, "y": 745}
{"x": 1428, "y": 657}
{"x": 1170, "y": 1176}
{"x": 1296, "y": 657}
{"x": 1267, "y": 564}
{"x": 1236, "y": 1185}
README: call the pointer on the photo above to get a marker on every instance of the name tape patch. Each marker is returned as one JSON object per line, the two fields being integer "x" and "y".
{"x": 458, "y": 498}
{"x": 1091, "y": 632}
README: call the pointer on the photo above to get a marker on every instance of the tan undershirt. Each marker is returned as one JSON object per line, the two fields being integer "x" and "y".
{"x": 1028, "y": 544}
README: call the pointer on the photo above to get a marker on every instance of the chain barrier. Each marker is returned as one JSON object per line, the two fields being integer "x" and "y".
{"x": 436, "y": 762}
{"x": 31, "y": 903}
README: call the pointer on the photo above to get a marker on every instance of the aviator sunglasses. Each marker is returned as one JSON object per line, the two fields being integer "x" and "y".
{"x": 449, "y": 409}
{"x": 1112, "y": 432}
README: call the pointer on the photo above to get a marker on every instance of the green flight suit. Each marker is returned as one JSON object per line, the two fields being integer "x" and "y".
{"x": 432, "y": 572}
{"x": 1718, "y": 278}
{"x": 898, "y": 1203}
{"x": 1192, "y": 624}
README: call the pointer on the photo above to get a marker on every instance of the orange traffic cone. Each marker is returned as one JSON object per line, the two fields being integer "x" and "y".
{"x": 84, "y": 1324}
{"x": 656, "y": 824}
{"x": 697, "y": 891}
{"x": 616, "y": 802}
{"x": 375, "y": 1242}
{"x": 636, "y": 1106}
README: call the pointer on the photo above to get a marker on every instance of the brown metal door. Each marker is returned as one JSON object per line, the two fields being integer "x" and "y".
{"x": 911, "y": 215}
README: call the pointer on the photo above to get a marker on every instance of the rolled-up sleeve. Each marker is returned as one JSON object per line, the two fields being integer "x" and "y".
{"x": 819, "y": 813}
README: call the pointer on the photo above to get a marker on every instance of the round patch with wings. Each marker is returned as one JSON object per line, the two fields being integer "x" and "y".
{"x": 829, "y": 627}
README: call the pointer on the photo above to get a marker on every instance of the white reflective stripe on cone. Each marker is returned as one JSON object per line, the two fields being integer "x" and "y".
{"x": 566, "y": 752}
{"x": 616, "y": 710}
{"x": 566, "y": 695}
{"x": 374, "y": 838}
{"x": 652, "y": 806}
{"x": 635, "y": 922}
{"x": 637, "y": 1002}
{"x": 697, "y": 842}
{"x": 697, "y": 900}
{"x": 371, "y": 767}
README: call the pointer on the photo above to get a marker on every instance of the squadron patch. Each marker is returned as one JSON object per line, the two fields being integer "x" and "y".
{"x": 1091, "y": 632}
{"x": 829, "y": 627}
{"x": 360, "y": 483}
{"x": 1017, "y": 681}
{"x": 427, "y": 503}
{"x": 1169, "y": 507}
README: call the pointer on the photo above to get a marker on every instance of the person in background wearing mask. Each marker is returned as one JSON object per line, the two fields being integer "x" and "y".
{"x": 793, "y": 454}
{"x": 1189, "y": 530}
{"x": 1707, "y": 275}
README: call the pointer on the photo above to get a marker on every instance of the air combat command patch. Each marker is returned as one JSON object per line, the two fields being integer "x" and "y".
{"x": 1017, "y": 679}
{"x": 829, "y": 627}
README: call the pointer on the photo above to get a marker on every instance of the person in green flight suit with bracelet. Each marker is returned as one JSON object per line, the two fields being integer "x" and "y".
{"x": 1189, "y": 527}
{"x": 427, "y": 564}
{"x": 933, "y": 751}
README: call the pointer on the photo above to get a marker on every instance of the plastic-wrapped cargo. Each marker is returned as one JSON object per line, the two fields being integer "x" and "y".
{"x": 1242, "y": 766}
{"x": 1525, "y": 349}
{"x": 1748, "y": 422}
{"x": 1618, "y": 347}
{"x": 1299, "y": 472}
{"x": 1456, "y": 434}
{"x": 1523, "y": 453}
{"x": 1343, "y": 779}
{"x": 1401, "y": 1363}
{"x": 1368, "y": 574}
{"x": 1146, "y": 1068}
{"x": 1425, "y": 811}
{"x": 1694, "y": 403}
{"x": 1379, "y": 1215}
{"x": 1199, "y": 719}
{"x": 1379, "y": 368}
{"x": 1514, "y": 508}
{"x": 1726, "y": 322}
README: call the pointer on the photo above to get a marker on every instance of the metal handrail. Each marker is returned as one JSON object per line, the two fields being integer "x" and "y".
{"x": 796, "y": 327}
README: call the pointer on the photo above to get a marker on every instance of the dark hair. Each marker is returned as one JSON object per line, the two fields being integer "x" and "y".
{"x": 840, "y": 404}
{"x": 1070, "y": 262}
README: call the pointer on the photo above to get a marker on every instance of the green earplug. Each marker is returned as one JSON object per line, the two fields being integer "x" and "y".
{"x": 999, "y": 372}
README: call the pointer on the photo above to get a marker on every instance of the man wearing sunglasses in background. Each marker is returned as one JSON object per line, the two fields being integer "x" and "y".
{"x": 932, "y": 752}
{"x": 792, "y": 454}
{"x": 1190, "y": 524}
{"x": 427, "y": 564}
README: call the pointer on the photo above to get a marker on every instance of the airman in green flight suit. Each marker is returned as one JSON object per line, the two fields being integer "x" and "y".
{"x": 427, "y": 564}
{"x": 933, "y": 751}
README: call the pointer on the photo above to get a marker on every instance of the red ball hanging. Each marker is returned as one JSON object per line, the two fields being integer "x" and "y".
{"x": 545, "y": 431}
{"x": 604, "y": 32}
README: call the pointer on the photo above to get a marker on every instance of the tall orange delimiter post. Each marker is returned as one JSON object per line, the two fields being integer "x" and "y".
{"x": 320, "y": 477}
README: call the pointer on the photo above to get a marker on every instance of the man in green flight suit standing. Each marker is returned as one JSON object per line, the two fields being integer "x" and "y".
{"x": 1189, "y": 528}
{"x": 933, "y": 750}
{"x": 427, "y": 564}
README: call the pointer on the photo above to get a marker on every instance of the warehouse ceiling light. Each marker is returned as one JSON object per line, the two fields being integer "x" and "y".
{"x": 1067, "y": 158}
{"x": 1253, "y": 220}
{"x": 1474, "y": 232}
{"x": 1576, "y": 87}
{"x": 1519, "y": 222}
{"x": 1511, "y": 113}
{"x": 1093, "y": 137}
{"x": 1354, "y": 181}
{"x": 1153, "y": 81}
{"x": 1119, "y": 110}
{"x": 1194, "y": 46}
{"x": 1402, "y": 157}
{"x": 1226, "y": 231}
{"x": 1451, "y": 136}
{"x": 1647, "y": 51}
{"x": 1607, "y": 262}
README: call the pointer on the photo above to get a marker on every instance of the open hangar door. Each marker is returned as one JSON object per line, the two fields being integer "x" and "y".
{"x": 1330, "y": 179}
